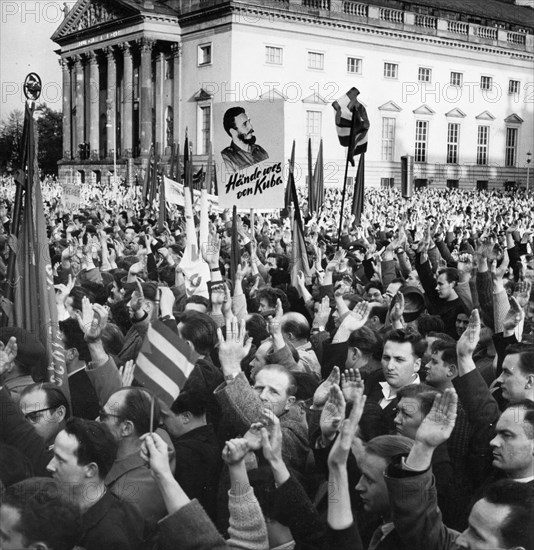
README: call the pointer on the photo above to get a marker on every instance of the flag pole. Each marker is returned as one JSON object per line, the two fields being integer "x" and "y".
{"x": 351, "y": 140}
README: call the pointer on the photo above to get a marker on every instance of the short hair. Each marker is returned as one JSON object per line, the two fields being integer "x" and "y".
{"x": 292, "y": 386}
{"x": 55, "y": 397}
{"x": 516, "y": 529}
{"x": 528, "y": 420}
{"x": 409, "y": 335}
{"x": 374, "y": 284}
{"x": 200, "y": 329}
{"x": 271, "y": 295}
{"x": 451, "y": 274}
{"x": 96, "y": 443}
{"x": 430, "y": 323}
{"x": 379, "y": 311}
{"x": 15, "y": 466}
{"x": 112, "y": 339}
{"x": 75, "y": 338}
{"x": 196, "y": 299}
{"x": 77, "y": 294}
{"x": 422, "y": 392}
{"x": 229, "y": 118}
{"x": 99, "y": 291}
{"x": 526, "y": 356}
{"x": 449, "y": 354}
{"x": 441, "y": 336}
{"x": 297, "y": 325}
{"x": 282, "y": 261}
{"x": 193, "y": 401}
{"x": 46, "y": 514}
{"x": 256, "y": 326}
{"x": 389, "y": 446}
{"x": 136, "y": 408}
{"x": 367, "y": 341}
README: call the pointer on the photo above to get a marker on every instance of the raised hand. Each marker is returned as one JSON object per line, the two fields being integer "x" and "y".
{"x": 271, "y": 438}
{"x": 351, "y": 384}
{"x": 235, "y": 451}
{"x": 438, "y": 424}
{"x": 469, "y": 339}
{"x": 333, "y": 413}
{"x": 84, "y": 320}
{"x": 275, "y": 322}
{"x": 127, "y": 373}
{"x": 323, "y": 313}
{"x": 210, "y": 250}
{"x": 8, "y": 354}
{"x": 522, "y": 292}
{"x": 514, "y": 316}
{"x": 321, "y": 393}
{"x": 155, "y": 452}
{"x": 234, "y": 347}
{"x": 397, "y": 308}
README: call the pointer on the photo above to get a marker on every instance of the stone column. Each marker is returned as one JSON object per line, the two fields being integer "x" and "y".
{"x": 111, "y": 103}
{"x": 158, "y": 102}
{"x": 176, "y": 50}
{"x": 128, "y": 93}
{"x": 80, "y": 104}
{"x": 147, "y": 99}
{"x": 67, "y": 108}
{"x": 94, "y": 106}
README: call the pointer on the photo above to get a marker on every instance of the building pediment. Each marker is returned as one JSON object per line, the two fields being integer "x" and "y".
{"x": 455, "y": 113}
{"x": 273, "y": 94}
{"x": 485, "y": 115}
{"x": 88, "y": 14}
{"x": 202, "y": 95}
{"x": 390, "y": 106}
{"x": 513, "y": 119}
{"x": 315, "y": 98}
{"x": 424, "y": 110}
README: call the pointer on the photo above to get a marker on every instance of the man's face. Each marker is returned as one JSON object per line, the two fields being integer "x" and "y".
{"x": 64, "y": 465}
{"x": 413, "y": 279}
{"x": 45, "y": 421}
{"x": 110, "y": 414}
{"x": 243, "y": 129}
{"x": 372, "y": 485}
{"x": 195, "y": 307}
{"x": 129, "y": 235}
{"x": 438, "y": 372}
{"x": 10, "y": 538}
{"x": 272, "y": 386}
{"x": 263, "y": 305}
{"x": 399, "y": 364}
{"x": 374, "y": 295}
{"x": 462, "y": 320}
{"x": 409, "y": 417}
{"x": 513, "y": 381}
{"x": 260, "y": 357}
{"x": 444, "y": 288}
{"x": 484, "y": 530}
{"x": 513, "y": 450}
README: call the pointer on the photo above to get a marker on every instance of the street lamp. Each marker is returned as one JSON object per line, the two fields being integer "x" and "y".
{"x": 112, "y": 125}
{"x": 529, "y": 155}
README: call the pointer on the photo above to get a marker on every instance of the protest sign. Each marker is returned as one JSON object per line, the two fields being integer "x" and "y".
{"x": 70, "y": 197}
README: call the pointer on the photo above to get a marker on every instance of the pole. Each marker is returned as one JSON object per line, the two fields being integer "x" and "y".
{"x": 351, "y": 141}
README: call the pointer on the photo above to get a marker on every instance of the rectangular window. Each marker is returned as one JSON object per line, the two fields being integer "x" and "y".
{"x": 169, "y": 68}
{"x": 513, "y": 86}
{"x": 314, "y": 120}
{"x": 457, "y": 79}
{"x": 482, "y": 145}
{"x": 387, "y": 183}
{"x": 316, "y": 60}
{"x": 388, "y": 138}
{"x": 425, "y": 75}
{"x": 511, "y": 146}
{"x": 354, "y": 65}
{"x": 452, "y": 184}
{"x": 136, "y": 83}
{"x": 421, "y": 140}
{"x": 482, "y": 185}
{"x": 391, "y": 70}
{"x": 205, "y": 129}
{"x": 453, "y": 138}
{"x": 486, "y": 82}
{"x": 204, "y": 54}
{"x": 273, "y": 55}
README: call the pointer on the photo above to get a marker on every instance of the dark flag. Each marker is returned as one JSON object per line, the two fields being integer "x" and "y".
{"x": 299, "y": 254}
{"x": 352, "y": 124}
{"x": 357, "y": 199}
{"x": 209, "y": 171}
{"x": 148, "y": 175}
{"x": 318, "y": 181}
{"x": 235, "y": 251}
{"x": 311, "y": 190}
{"x": 287, "y": 198}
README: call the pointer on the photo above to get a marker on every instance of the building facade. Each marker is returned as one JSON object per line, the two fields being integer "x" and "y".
{"x": 453, "y": 89}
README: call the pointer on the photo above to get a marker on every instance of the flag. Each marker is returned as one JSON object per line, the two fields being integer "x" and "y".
{"x": 164, "y": 362}
{"x": 35, "y": 297}
{"x": 162, "y": 211}
{"x": 311, "y": 196}
{"x": 147, "y": 180}
{"x": 154, "y": 178}
{"x": 352, "y": 123}
{"x": 235, "y": 251}
{"x": 318, "y": 181}
{"x": 299, "y": 254}
{"x": 287, "y": 198}
{"x": 357, "y": 199}
{"x": 209, "y": 170}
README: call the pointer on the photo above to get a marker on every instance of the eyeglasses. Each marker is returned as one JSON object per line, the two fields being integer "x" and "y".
{"x": 104, "y": 415}
{"x": 33, "y": 416}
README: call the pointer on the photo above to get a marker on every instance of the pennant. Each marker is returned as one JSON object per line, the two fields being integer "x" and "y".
{"x": 164, "y": 363}
{"x": 299, "y": 254}
{"x": 311, "y": 196}
{"x": 318, "y": 182}
{"x": 357, "y": 199}
{"x": 352, "y": 124}
{"x": 235, "y": 250}
{"x": 287, "y": 198}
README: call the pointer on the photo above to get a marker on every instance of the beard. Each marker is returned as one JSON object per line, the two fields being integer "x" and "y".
{"x": 249, "y": 139}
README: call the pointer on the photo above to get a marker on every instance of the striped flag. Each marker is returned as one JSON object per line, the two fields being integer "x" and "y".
{"x": 352, "y": 123}
{"x": 164, "y": 362}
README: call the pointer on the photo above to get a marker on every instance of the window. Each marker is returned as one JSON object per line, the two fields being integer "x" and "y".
{"x": 425, "y": 75}
{"x": 169, "y": 68}
{"x": 511, "y": 147}
{"x": 457, "y": 79}
{"x": 391, "y": 70}
{"x": 205, "y": 129}
{"x": 482, "y": 185}
{"x": 421, "y": 140}
{"x": 204, "y": 54}
{"x": 452, "y": 184}
{"x": 513, "y": 86}
{"x": 316, "y": 60}
{"x": 354, "y": 65}
{"x": 314, "y": 121}
{"x": 273, "y": 55}
{"x": 453, "y": 137}
{"x": 388, "y": 138}
{"x": 387, "y": 183}
{"x": 482, "y": 144}
{"x": 486, "y": 82}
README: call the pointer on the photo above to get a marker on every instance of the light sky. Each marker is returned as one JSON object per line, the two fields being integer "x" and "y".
{"x": 25, "y": 46}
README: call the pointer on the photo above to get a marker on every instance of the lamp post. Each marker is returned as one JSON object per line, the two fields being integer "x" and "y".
{"x": 529, "y": 158}
{"x": 111, "y": 124}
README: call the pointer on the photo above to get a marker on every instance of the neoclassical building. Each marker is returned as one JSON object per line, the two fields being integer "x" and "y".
{"x": 448, "y": 83}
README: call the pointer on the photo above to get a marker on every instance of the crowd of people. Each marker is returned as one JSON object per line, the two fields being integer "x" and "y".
{"x": 382, "y": 399}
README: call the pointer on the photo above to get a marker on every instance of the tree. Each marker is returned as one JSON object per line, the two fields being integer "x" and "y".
{"x": 10, "y": 139}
